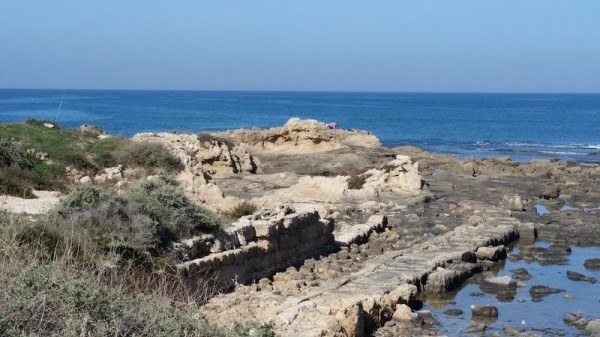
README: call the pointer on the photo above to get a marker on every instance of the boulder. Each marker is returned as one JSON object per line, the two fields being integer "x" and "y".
{"x": 592, "y": 264}
{"x": 453, "y": 312}
{"x": 575, "y": 276}
{"x": 521, "y": 274}
{"x": 491, "y": 253}
{"x": 403, "y": 294}
{"x": 499, "y": 283}
{"x": 513, "y": 202}
{"x": 504, "y": 287}
{"x": 352, "y": 320}
{"x": 593, "y": 328}
{"x": 484, "y": 311}
{"x": 403, "y": 313}
{"x": 551, "y": 192}
{"x": 92, "y": 130}
{"x": 538, "y": 291}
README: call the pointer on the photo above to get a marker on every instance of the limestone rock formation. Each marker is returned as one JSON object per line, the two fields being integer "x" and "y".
{"x": 303, "y": 136}
{"x": 203, "y": 162}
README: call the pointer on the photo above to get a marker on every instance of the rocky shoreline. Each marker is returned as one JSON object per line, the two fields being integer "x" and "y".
{"x": 349, "y": 233}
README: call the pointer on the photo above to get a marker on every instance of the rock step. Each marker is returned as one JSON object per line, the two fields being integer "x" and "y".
{"x": 359, "y": 234}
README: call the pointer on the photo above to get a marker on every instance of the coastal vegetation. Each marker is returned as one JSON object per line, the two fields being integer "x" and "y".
{"x": 100, "y": 263}
{"x": 242, "y": 209}
{"x": 57, "y": 281}
{"x": 207, "y": 137}
{"x": 35, "y": 154}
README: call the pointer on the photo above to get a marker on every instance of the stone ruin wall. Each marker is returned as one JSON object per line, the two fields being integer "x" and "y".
{"x": 258, "y": 246}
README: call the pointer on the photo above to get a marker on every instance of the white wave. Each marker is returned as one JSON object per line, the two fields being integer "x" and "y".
{"x": 562, "y": 153}
{"x": 557, "y": 146}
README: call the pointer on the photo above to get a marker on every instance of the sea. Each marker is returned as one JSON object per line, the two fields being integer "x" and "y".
{"x": 520, "y": 126}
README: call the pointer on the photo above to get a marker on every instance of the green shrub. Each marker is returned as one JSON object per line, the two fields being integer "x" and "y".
{"x": 176, "y": 216}
{"x": 105, "y": 152}
{"x": 209, "y": 138}
{"x": 11, "y": 154}
{"x": 242, "y": 209}
{"x": 254, "y": 330}
{"x": 356, "y": 182}
{"x": 20, "y": 172}
{"x": 115, "y": 224}
{"x": 54, "y": 285}
{"x": 152, "y": 156}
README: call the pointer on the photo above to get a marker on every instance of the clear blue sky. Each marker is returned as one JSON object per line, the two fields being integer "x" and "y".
{"x": 338, "y": 45}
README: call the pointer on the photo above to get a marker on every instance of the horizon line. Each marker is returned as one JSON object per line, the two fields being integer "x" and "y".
{"x": 322, "y": 91}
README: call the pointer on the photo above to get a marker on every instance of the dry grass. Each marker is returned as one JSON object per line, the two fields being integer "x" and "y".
{"x": 56, "y": 283}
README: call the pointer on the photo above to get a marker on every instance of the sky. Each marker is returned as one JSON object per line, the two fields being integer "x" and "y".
{"x": 305, "y": 45}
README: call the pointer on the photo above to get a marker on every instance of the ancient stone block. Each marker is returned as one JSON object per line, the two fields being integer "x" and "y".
{"x": 491, "y": 253}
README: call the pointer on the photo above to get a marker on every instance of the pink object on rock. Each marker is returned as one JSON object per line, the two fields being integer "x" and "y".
{"x": 332, "y": 125}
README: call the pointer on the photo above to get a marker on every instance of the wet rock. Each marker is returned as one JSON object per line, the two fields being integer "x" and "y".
{"x": 521, "y": 274}
{"x": 538, "y": 291}
{"x": 499, "y": 283}
{"x": 575, "y": 276}
{"x": 593, "y": 328}
{"x": 484, "y": 311}
{"x": 504, "y": 287}
{"x": 476, "y": 328}
{"x": 511, "y": 330}
{"x": 476, "y": 293}
{"x": 576, "y": 319}
{"x": 491, "y": 253}
{"x": 427, "y": 318}
{"x": 444, "y": 280}
{"x": 568, "y": 297}
{"x": 592, "y": 263}
{"x": 527, "y": 231}
{"x": 453, "y": 312}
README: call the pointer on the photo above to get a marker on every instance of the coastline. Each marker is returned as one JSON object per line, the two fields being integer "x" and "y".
{"x": 404, "y": 202}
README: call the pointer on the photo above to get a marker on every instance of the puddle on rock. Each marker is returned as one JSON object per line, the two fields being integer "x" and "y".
{"x": 500, "y": 181}
{"x": 541, "y": 210}
{"x": 567, "y": 208}
{"x": 529, "y": 265}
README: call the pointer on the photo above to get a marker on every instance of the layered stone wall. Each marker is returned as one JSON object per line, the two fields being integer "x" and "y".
{"x": 257, "y": 246}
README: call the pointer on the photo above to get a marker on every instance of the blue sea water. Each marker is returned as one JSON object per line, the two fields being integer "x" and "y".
{"x": 521, "y": 126}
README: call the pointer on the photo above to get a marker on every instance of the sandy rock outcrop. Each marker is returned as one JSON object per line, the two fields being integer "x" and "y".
{"x": 303, "y": 136}
{"x": 93, "y": 130}
{"x": 203, "y": 162}
{"x": 399, "y": 174}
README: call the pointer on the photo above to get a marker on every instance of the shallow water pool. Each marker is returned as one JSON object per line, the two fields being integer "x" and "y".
{"x": 544, "y": 317}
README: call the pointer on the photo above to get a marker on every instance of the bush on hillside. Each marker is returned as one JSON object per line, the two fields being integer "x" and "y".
{"x": 115, "y": 224}
{"x": 153, "y": 156}
{"x": 41, "y": 301}
{"x": 104, "y": 152}
{"x": 11, "y": 154}
{"x": 176, "y": 216}
{"x": 209, "y": 138}
{"x": 20, "y": 172}
{"x": 242, "y": 209}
